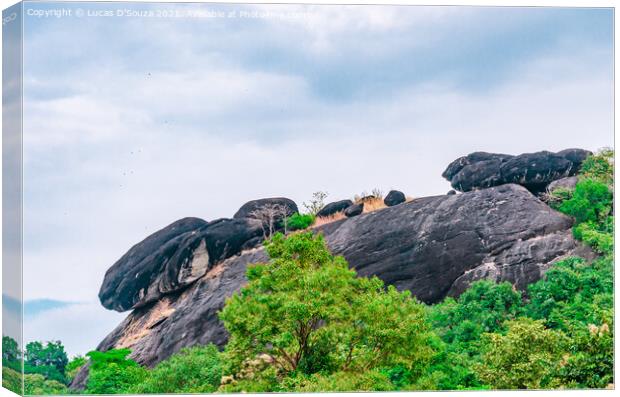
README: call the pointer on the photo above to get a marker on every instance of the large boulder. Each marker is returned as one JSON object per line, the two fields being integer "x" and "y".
{"x": 173, "y": 258}
{"x": 394, "y": 197}
{"x": 335, "y": 207}
{"x": 565, "y": 183}
{"x": 257, "y": 208}
{"x": 146, "y": 266}
{"x": 354, "y": 210}
{"x": 432, "y": 246}
{"x": 534, "y": 171}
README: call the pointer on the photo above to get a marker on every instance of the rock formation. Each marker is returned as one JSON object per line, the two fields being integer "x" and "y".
{"x": 394, "y": 197}
{"x": 534, "y": 171}
{"x": 332, "y": 208}
{"x": 177, "y": 279}
{"x": 354, "y": 210}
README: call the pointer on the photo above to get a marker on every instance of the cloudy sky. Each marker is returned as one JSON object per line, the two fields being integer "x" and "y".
{"x": 133, "y": 122}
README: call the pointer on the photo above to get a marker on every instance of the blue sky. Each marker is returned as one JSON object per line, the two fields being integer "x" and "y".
{"x": 132, "y": 123}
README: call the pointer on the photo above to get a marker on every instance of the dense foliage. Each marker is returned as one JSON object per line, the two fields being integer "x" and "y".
{"x": 194, "y": 370}
{"x": 306, "y": 322}
{"x": 111, "y": 372}
{"x": 305, "y": 316}
{"x": 300, "y": 221}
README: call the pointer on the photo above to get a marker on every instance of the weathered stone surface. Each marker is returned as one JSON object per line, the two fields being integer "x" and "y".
{"x": 332, "y": 208}
{"x": 564, "y": 183}
{"x": 433, "y": 246}
{"x": 251, "y": 208}
{"x": 186, "y": 251}
{"x": 394, "y": 197}
{"x": 146, "y": 266}
{"x": 535, "y": 171}
{"x": 354, "y": 210}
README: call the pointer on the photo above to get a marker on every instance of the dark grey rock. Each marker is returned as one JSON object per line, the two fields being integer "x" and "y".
{"x": 249, "y": 209}
{"x": 451, "y": 192}
{"x": 564, "y": 183}
{"x": 354, "y": 210}
{"x": 432, "y": 246}
{"x": 187, "y": 250}
{"x": 146, "y": 266}
{"x": 332, "y": 208}
{"x": 534, "y": 171}
{"x": 394, "y": 197}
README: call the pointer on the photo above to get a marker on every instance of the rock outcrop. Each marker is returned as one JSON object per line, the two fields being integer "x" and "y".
{"x": 255, "y": 208}
{"x": 173, "y": 258}
{"x": 354, "y": 210}
{"x": 394, "y": 197}
{"x": 332, "y": 208}
{"x": 146, "y": 272}
{"x": 534, "y": 171}
{"x": 432, "y": 246}
{"x": 564, "y": 183}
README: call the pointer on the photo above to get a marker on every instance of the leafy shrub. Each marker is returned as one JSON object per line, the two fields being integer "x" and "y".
{"x": 36, "y": 384}
{"x": 599, "y": 167}
{"x": 192, "y": 370}
{"x": 528, "y": 356}
{"x": 343, "y": 382}
{"x": 306, "y": 312}
{"x": 112, "y": 373}
{"x": 591, "y": 201}
{"x": 300, "y": 222}
{"x": 571, "y": 291}
{"x": 483, "y": 307}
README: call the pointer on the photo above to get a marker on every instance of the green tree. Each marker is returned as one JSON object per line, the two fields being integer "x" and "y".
{"x": 47, "y": 359}
{"x": 10, "y": 349}
{"x": 112, "y": 373}
{"x": 193, "y": 370}
{"x": 306, "y": 312}
{"x": 528, "y": 356}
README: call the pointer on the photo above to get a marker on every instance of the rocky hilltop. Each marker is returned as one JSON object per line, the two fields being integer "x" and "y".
{"x": 177, "y": 279}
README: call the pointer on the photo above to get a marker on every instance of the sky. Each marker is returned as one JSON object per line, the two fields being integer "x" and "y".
{"x": 132, "y": 122}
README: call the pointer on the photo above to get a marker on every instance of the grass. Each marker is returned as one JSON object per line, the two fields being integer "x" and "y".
{"x": 323, "y": 220}
{"x": 373, "y": 204}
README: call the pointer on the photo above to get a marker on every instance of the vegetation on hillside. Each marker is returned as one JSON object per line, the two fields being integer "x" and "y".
{"x": 306, "y": 322}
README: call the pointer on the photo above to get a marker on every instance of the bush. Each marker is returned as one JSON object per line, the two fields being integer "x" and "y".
{"x": 483, "y": 307}
{"x": 528, "y": 356}
{"x": 572, "y": 290}
{"x": 592, "y": 201}
{"x": 112, "y": 373}
{"x": 599, "y": 167}
{"x": 192, "y": 370}
{"x": 35, "y": 384}
{"x": 342, "y": 382}
{"x": 300, "y": 222}
{"x": 306, "y": 312}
